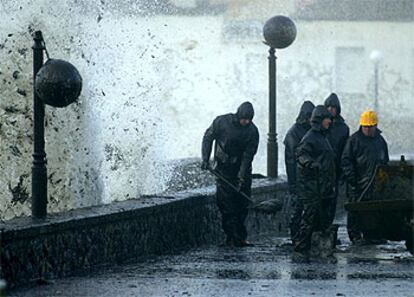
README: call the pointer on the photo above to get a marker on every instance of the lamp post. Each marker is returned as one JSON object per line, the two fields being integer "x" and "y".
{"x": 279, "y": 32}
{"x": 376, "y": 57}
{"x": 39, "y": 170}
{"x": 56, "y": 83}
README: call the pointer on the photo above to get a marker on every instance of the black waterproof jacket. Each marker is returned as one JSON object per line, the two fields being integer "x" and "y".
{"x": 338, "y": 132}
{"x": 235, "y": 145}
{"x": 316, "y": 160}
{"x": 292, "y": 139}
{"x": 360, "y": 158}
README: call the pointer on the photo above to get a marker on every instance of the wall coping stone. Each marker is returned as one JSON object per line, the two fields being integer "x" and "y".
{"x": 116, "y": 211}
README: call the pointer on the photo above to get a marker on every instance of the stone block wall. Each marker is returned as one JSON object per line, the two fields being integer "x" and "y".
{"x": 68, "y": 243}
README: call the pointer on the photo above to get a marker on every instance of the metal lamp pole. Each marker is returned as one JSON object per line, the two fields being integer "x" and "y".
{"x": 279, "y": 32}
{"x": 376, "y": 87}
{"x": 272, "y": 146}
{"x": 39, "y": 170}
{"x": 58, "y": 84}
{"x": 376, "y": 57}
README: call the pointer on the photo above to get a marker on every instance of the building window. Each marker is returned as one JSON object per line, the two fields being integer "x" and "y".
{"x": 246, "y": 31}
{"x": 185, "y": 3}
{"x": 350, "y": 76}
{"x": 256, "y": 73}
{"x": 353, "y": 10}
{"x": 412, "y": 71}
{"x": 164, "y": 7}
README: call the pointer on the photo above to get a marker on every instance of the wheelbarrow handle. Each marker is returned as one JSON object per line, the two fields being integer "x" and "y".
{"x": 227, "y": 182}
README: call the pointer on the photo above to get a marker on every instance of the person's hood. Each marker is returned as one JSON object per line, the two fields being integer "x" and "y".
{"x": 333, "y": 100}
{"x": 318, "y": 115}
{"x": 305, "y": 112}
{"x": 245, "y": 111}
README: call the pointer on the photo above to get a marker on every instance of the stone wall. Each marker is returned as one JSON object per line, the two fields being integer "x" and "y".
{"x": 75, "y": 241}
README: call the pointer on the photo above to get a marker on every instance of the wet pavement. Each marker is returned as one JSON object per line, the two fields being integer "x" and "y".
{"x": 266, "y": 269}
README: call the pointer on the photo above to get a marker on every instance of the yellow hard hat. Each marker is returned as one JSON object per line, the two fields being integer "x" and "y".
{"x": 368, "y": 118}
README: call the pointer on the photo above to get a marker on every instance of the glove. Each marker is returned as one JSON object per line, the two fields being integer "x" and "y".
{"x": 352, "y": 193}
{"x": 240, "y": 185}
{"x": 316, "y": 166}
{"x": 205, "y": 165}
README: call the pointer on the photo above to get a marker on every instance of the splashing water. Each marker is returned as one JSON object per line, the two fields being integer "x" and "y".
{"x": 156, "y": 73}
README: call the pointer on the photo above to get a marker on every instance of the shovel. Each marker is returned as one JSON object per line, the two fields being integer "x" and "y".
{"x": 268, "y": 206}
{"x": 371, "y": 181}
{"x": 227, "y": 182}
{"x": 318, "y": 189}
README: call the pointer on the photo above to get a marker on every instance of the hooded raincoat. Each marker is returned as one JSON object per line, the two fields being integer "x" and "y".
{"x": 291, "y": 142}
{"x": 234, "y": 150}
{"x": 361, "y": 156}
{"x": 316, "y": 179}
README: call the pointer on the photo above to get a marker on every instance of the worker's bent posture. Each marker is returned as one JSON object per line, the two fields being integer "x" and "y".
{"x": 236, "y": 141}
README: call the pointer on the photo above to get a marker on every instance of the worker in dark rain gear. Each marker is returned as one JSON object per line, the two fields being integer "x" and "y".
{"x": 364, "y": 151}
{"x": 291, "y": 142}
{"x": 316, "y": 178}
{"x": 338, "y": 134}
{"x": 236, "y": 141}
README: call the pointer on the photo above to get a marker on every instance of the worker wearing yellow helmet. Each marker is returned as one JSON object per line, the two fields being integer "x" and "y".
{"x": 363, "y": 152}
{"x": 369, "y": 122}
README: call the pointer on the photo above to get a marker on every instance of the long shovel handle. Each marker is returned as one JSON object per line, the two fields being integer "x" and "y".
{"x": 227, "y": 182}
{"x": 369, "y": 184}
{"x": 318, "y": 189}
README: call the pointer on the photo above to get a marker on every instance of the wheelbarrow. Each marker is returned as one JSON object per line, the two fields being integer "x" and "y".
{"x": 385, "y": 208}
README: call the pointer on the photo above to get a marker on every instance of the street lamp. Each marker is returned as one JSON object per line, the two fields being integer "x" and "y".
{"x": 56, "y": 83}
{"x": 279, "y": 32}
{"x": 376, "y": 57}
